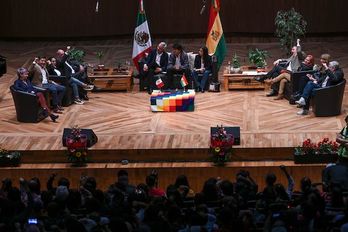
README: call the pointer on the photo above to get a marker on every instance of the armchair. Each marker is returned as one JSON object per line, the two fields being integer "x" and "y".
{"x": 27, "y": 107}
{"x": 328, "y": 101}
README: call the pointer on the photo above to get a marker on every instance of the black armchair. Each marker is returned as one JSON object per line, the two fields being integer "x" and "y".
{"x": 328, "y": 101}
{"x": 27, "y": 106}
{"x": 2, "y": 65}
{"x": 295, "y": 85}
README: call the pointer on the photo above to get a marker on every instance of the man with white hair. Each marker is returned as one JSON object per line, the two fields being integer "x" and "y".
{"x": 331, "y": 75}
{"x": 155, "y": 64}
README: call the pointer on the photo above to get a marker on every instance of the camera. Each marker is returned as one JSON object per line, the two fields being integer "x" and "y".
{"x": 32, "y": 221}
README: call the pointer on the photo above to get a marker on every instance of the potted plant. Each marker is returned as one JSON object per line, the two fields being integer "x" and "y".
{"x": 77, "y": 151}
{"x": 221, "y": 146}
{"x": 235, "y": 64}
{"x": 290, "y": 25}
{"x": 100, "y": 55}
{"x": 325, "y": 151}
{"x": 258, "y": 57}
{"x": 76, "y": 54}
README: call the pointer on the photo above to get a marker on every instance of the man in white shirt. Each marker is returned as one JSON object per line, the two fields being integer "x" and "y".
{"x": 40, "y": 78}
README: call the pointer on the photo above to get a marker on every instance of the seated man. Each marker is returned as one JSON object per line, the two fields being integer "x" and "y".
{"x": 178, "y": 64}
{"x": 73, "y": 68}
{"x": 332, "y": 75}
{"x": 203, "y": 65}
{"x": 39, "y": 75}
{"x": 155, "y": 63}
{"x": 284, "y": 65}
{"x": 72, "y": 81}
{"x": 285, "y": 77}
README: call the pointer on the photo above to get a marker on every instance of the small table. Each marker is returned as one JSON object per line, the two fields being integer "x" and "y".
{"x": 112, "y": 78}
{"x": 244, "y": 80}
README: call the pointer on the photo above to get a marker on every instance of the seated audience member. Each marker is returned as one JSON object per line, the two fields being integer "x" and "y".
{"x": 331, "y": 75}
{"x": 342, "y": 139}
{"x": 337, "y": 174}
{"x": 23, "y": 84}
{"x": 73, "y": 68}
{"x": 152, "y": 184}
{"x": 40, "y": 78}
{"x": 202, "y": 65}
{"x": 284, "y": 65}
{"x": 178, "y": 64}
{"x": 155, "y": 63}
{"x": 285, "y": 76}
{"x": 73, "y": 82}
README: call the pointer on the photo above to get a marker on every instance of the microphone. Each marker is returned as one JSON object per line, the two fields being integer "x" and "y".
{"x": 202, "y": 10}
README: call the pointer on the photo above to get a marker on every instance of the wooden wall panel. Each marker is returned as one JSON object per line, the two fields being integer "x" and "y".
{"x": 65, "y": 18}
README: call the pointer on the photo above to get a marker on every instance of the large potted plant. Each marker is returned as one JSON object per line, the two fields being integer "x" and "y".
{"x": 290, "y": 25}
{"x": 76, "y": 54}
{"x": 258, "y": 57}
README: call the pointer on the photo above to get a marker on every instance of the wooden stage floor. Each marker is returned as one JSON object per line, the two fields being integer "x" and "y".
{"x": 123, "y": 120}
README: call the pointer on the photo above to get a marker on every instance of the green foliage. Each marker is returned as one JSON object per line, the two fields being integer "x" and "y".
{"x": 99, "y": 55}
{"x": 77, "y": 54}
{"x": 258, "y": 57}
{"x": 290, "y": 25}
{"x": 235, "y": 61}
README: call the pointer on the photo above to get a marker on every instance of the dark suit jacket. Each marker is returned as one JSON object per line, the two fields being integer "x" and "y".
{"x": 20, "y": 85}
{"x": 334, "y": 77}
{"x": 183, "y": 61}
{"x": 151, "y": 60}
{"x": 207, "y": 66}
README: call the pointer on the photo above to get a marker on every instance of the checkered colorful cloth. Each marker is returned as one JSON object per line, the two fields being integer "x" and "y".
{"x": 172, "y": 101}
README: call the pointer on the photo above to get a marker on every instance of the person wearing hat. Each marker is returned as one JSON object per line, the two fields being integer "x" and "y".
{"x": 23, "y": 84}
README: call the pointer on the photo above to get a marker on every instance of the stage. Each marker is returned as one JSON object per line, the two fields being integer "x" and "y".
{"x": 175, "y": 142}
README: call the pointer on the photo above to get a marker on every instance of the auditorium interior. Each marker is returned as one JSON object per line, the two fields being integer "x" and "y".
{"x": 121, "y": 146}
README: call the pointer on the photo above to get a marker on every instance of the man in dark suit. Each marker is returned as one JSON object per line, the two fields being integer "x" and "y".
{"x": 178, "y": 64}
{"x": 155, "y": 63}
{"x": 331, "y": 75}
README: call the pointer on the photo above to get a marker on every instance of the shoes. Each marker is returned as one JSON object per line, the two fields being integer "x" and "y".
{"x": 149, "y": 91}
{"x": 78, "y": 101}
{"x": 272, "y": 93}
{"x": 88, "y": 87}
{"x": 60, "y": 108}
{"x": 301, "y": 102}
{"x": 85, "y": 97}
{"x": 202, "y": 90}
{"x": 302, "y": 112}
{"x": 57, "y": 111}
{"x": 279, "y": 97}
{"x": 54, "y": 117}
{"x": 260, "y": 79}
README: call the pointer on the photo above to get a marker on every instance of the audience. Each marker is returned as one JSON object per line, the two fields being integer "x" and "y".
{"x": 221, "y": 206}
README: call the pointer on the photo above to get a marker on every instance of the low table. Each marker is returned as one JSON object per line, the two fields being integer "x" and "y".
{"x": 112, "y": 79}
{"x": 172, "y": 101}
{"x": 244, "y": 80}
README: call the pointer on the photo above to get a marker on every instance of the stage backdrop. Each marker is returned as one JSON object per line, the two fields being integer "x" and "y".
{"x": 77, "y": 18}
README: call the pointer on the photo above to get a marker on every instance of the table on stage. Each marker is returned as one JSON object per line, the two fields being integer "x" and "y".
{"x": 172, "y": 101}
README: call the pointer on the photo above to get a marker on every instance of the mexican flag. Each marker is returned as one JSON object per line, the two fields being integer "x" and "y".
{"x": 142, "y": 39}
{"x": 215, "y": 38}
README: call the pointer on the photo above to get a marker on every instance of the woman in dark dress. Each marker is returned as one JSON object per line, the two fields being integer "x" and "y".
{"x": 23, "y": 84}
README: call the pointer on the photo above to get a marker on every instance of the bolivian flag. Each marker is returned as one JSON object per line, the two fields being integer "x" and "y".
{"x": 215, "y": 38}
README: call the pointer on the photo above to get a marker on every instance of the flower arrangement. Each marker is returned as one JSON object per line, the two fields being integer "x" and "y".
{"x": 325, "y": 146}
{"x": 221, "y": 146}
{"x": 9, "y": 158}
{"x": 77, "y": 147}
